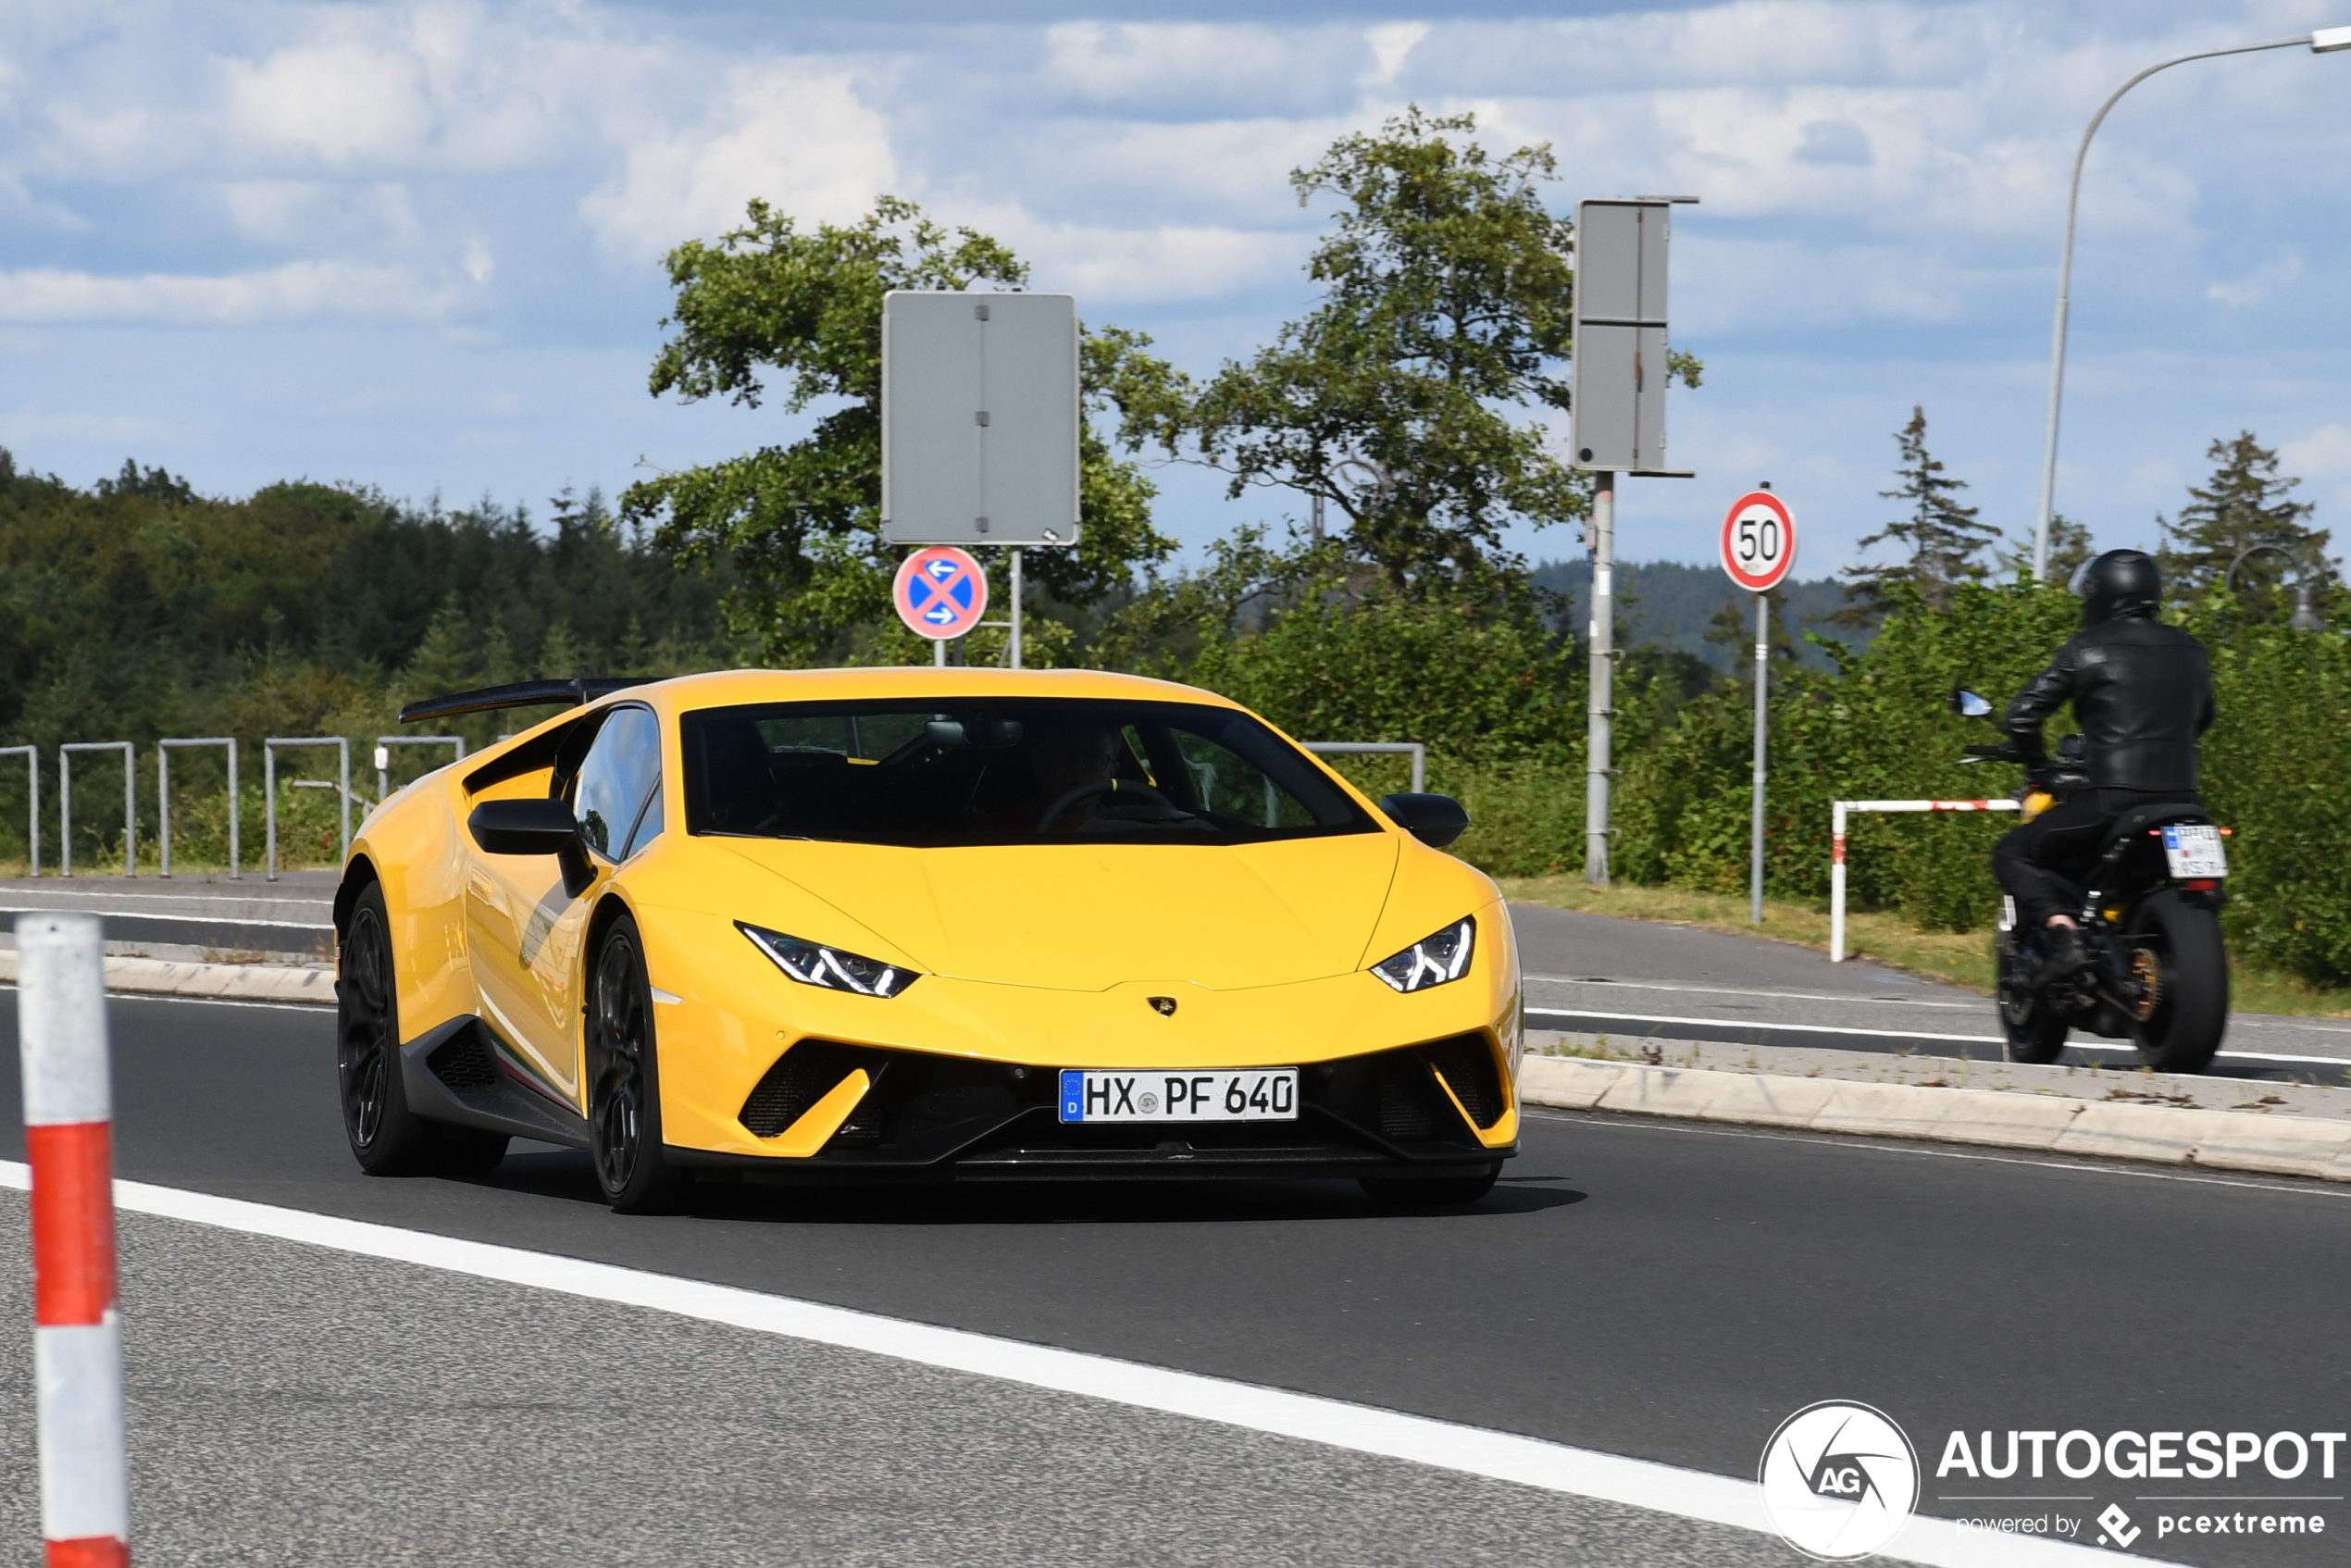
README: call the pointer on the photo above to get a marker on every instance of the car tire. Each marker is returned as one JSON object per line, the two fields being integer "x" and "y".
{"x": 624, "y": 1080}
{"x": 2180, "y": 943}
{"x": 386, "y": 1137}
{"x": 1449, "y": 1192}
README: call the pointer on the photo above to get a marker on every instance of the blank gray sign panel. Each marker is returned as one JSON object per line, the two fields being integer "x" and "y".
{"x": 979, "y": 418}
{"x": 1617, "y": 398}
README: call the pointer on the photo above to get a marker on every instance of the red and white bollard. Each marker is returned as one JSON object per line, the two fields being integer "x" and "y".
{"x": 69, "y": 1113}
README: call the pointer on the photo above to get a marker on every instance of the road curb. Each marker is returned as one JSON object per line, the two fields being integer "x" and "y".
{"x": 2232, "y": 1140}
{"x": 220, "y": 982}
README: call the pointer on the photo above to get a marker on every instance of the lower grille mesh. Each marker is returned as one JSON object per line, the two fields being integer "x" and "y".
{"x": 464, "y": 1061}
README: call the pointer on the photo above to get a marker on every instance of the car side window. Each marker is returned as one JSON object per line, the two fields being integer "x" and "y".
{"x": 622, "y": 768}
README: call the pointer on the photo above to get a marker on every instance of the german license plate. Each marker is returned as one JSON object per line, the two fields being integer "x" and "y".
{"x": 1249, "y": 1094}
{"x": 2194, "y": 850}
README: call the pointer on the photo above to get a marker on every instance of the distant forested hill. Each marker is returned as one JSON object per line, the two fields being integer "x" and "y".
{"x": 1671, "y": 601}
{"x": 139, "y": 607}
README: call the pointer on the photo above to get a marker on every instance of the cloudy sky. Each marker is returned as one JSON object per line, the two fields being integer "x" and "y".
{"x": 417, "y": 244}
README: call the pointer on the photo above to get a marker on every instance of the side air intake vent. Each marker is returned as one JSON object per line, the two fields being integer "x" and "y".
{"x": 465, "y": 1060}
{"x": 805, "y": 1075}
{"x": 1467, "y": 1065}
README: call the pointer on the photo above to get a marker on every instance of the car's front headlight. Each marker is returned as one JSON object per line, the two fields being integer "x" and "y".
{"x": 1433, "y": 960}
{"x": 834, "y": 969}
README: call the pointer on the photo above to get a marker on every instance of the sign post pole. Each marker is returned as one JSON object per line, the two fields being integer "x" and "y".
{"x": 1762, "y": 742}
{"x": 1616, "y": 426}
{"x": 1597, "y": 734}
{"x": 1013, "y": 635}
{"x": 1759, "y": 549}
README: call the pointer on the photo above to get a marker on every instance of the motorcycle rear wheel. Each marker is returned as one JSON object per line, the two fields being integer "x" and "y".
{"x": 2033, "y": 1032}
{"x": 2178, "y": 943}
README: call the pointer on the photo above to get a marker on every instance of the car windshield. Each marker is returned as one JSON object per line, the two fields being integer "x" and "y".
{"x": 953, "y": 772}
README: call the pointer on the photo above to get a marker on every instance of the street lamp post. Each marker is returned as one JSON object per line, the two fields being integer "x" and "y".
{"x": 2306, "y": 617}
{"x": 2326, "y": 40}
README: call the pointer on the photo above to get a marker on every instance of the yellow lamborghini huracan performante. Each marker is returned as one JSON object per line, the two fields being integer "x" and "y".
{"x": 946, "y": 923}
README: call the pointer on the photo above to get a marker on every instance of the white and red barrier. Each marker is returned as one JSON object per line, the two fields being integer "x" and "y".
{"x": 1836, "y": 851}
{"x": 69, "y": 1114}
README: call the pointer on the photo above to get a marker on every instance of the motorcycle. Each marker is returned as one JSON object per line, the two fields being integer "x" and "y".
{"x": 2150, "y": 916}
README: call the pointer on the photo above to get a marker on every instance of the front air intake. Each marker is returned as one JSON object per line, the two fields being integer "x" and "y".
{"x": 1466, "y": 1064}
{"x": 805, "y": 1075}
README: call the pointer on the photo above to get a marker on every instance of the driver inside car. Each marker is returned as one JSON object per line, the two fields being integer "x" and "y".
{"x": 1063, "y": 756}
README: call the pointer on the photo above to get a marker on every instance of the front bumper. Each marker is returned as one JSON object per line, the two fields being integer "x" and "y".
{"x": 1443, "y": 1108}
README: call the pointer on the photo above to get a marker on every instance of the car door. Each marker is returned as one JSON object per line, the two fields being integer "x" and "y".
{"x": 616, "y": 797}
{"x": 525, "y": 925}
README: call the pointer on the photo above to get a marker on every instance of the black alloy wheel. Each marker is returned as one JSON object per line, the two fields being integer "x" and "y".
{"x": 2180, "y": 970}
{"x": 624, "y": 1080}
{"x": 2034, "y": 1031}
{"x": 388, "y": 1139}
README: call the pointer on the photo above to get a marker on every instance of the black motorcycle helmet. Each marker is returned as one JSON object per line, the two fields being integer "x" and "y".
{"x": 2119, "y": 583}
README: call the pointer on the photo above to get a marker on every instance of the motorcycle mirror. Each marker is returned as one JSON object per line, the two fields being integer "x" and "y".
{"x": 1969, "y": 704}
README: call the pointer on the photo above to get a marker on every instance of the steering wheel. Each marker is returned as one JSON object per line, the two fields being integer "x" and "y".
{"x": 1069, "y": 798}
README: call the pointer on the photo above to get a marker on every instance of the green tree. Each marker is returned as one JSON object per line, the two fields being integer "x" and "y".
{"x": 2245, "y": 503}
{"x": 770, "y": 303}
{"x": 1940, "y": 539}
{"x": 1445, "y": 315}
{"x": 2069, "y": 550}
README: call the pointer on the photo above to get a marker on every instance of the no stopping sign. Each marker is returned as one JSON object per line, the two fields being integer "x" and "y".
{"x": 1758, "y": 541}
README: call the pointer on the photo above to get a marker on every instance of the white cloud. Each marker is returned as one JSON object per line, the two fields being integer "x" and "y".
{"x": 2256, "y": 285}
{"x": 1121, "y": 266}
{"x": 2324, "y": 453}
{"x": 797, "y": 135}
{"x": 341, "y": 101}
{"x": 298, "y": 290}
{"x": 1392, "y": 45}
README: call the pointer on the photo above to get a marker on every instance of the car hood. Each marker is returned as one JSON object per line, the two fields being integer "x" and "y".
{"x": 1087, "y": 917}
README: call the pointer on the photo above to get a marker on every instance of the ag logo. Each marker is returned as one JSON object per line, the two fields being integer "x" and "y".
{"x": 1839, "y": 1480}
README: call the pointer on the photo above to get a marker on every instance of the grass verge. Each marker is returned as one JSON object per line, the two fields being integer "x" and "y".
{"x": 1956, "y": 959}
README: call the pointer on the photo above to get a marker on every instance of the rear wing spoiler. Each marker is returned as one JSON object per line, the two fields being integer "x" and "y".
{"x": 522, "y": 694}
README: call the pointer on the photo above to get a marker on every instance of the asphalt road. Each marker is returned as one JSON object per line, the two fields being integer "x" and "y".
{"x": 1665, "y": 1292}
{"x": 1635, "y": 979}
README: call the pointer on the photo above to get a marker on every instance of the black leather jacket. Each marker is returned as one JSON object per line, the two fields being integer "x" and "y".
{"x": 2142, "y": 693}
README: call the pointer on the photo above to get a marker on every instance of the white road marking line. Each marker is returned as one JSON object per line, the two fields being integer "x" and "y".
{"x": 320, "y": 1006}
{"x": 1501, "y": 1456}
{"x": 2118, "y": 1167}
{"x": 1755, "y": 991}
{"x": 1890, "y": 1034}
{"x": 2236, "y": 1021}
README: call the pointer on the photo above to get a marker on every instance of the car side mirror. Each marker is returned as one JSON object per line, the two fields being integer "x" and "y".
{"x": 1969, "y": 704}
{"x": 535, "y": 827}
{"x": 1434, "y": 820}
{"x": 540, "y": 827}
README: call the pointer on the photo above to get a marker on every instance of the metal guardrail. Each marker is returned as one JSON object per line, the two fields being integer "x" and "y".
{"x": 1413, "y": 749}
{"x": 270, "y": 787}
{"x": 130, "y": 801}
{"x": 384, "y": 744}
{"x": 32, "y": 756}
{"x": 162, "y": 798}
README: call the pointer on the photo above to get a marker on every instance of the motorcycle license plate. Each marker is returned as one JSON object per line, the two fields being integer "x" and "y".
{"x": 2194, "y": 850}
{"x": 1254, "y": 1094}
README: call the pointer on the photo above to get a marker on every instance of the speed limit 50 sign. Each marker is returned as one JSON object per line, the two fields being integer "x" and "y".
{"x": 1758, "y": 541}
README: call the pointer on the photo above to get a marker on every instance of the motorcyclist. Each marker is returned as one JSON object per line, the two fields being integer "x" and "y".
{"x": 2142, "y": 696}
